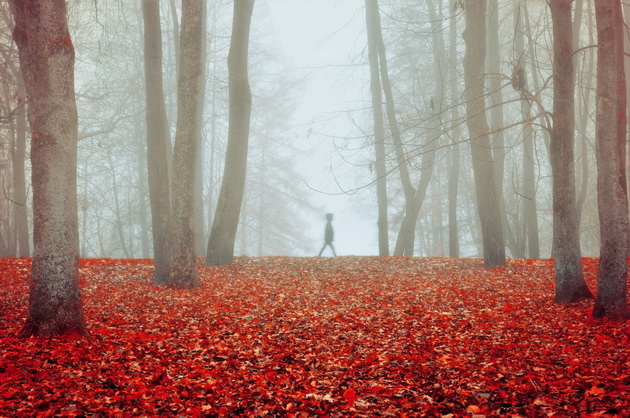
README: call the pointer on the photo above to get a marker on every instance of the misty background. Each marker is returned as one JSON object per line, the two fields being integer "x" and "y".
{"x": 311, "y": 139}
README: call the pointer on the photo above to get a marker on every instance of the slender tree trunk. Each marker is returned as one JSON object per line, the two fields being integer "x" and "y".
{"x": 200, "y": 225}
{"x": 583, "y": 110}
{"x": 407, "y": 227}
{"x": 183, "y": 272}
{"x": 570, "y": 284}
{"x": 19, "y": 178}
{"x": 453, "y": 178}
{"x": 142, "y": 185}
{"x": 497, "y": 121}
{"x": 372, "y": 19}
{"x": 626, "y": 47}
{"x": 157, "y": 141}
{"x": 224, "y": 226}
{"x": 611, "y": 301}
{"x": 47, "y": 63}
{"x": 483, "y": 168}
{"x": 519, "y": 83}
{"x": 406, "y": 236}
{"x": 120, "y": 231}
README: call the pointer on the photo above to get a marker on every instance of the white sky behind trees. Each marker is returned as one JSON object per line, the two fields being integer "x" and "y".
{"x": 322, "y": 43}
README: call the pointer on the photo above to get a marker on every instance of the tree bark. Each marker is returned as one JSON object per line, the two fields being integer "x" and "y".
{"x": 19, "y": 178}
{"x": 519, "y": 82}
{"x": 47, "y": 63}
{"x": 487, "y": 201}
{"x": 453, "y": 176}
{"x": 570, "y": 284}
{"x": 406, "y": 236}
{"x": 380, "y": 169}
{"x": 224, "y": 226}
{"x": 157, "y": 141}
{"x": 200, "y": 224}
{"x": 497, "y": 121}
{"x": 611, "y": 300}
{"x": 183, "y": 272}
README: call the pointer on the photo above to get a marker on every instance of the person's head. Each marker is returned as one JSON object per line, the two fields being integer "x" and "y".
{"x": 329, "y": 216}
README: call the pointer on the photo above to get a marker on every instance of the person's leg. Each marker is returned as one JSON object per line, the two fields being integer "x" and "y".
{"x": 333, "y": 250}
{"x": 322, "y": 250}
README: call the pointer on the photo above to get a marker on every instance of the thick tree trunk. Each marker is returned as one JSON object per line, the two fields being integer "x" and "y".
{"x": 183, "y": 272}
{"x": 224, "y": 226}
{"x": 372, "y": 21}
{"x": 570, "y": 284}
{"x": 47, "y": 64}
{"x": 611, "y": 301}
{"x": 157, "y": 141}
{"x": 487, "y": 201}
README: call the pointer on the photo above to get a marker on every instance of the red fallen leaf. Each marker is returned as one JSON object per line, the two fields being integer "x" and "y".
{"x": 279, "y": 336}
{"x": 350, "y": 395}
{"x": 160, "y": 377}
{"x": 375, "y": 390}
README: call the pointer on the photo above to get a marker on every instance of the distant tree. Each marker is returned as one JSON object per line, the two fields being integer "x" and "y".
{"x": 414, "y": 198}
{"x": 611, "y": 301}
{"x": 157, "y": 141}
{"x": 223, "y": 232}
{"x": 183, "y": 271}
{"x": 373, "y": 25}
{"x": 46, "y": 59}
{"x": 519, "y": 83}
{"x": 454, "y": 170}
{"x": 483, "y": 169}
{"x": 13, "y": 121}
{"x": 570, "y": 284}
{"x": 200, "y": 220}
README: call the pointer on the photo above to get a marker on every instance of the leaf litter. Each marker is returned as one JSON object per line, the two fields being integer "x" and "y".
{"x": 318, "y": 337}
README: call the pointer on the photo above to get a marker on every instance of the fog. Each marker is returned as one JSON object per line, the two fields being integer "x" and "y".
{"x": 311, "y": 145}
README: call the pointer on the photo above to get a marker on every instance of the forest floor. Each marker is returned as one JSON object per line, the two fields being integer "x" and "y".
{"x": 311, "y": 337}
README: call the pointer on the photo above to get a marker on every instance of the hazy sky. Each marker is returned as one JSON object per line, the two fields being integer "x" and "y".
{"x": 323, "y": 41}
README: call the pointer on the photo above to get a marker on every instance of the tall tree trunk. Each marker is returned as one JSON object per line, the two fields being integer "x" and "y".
{"x": 142, "y": 181}
{"x": 626, "y": 47}
{"x": 570, "y": 284}
{"x": 47, "y": 63}
{"x": 406, "y": 236}
{"x": 519, "y": 83}
{"x": 497, "y": 121}
{"x": 120, "y": 231}
{"x": 224, "y": 226}
{"x": 483, "y": 168}
{"x": 183, "y": 272}
{"x": 611, "y": 301}
{"x": 19, "y": 178}
{"x": 372, "y": 21}
{"x": 200, "y": 224}
{"x": 407, "y": 228}
{"x": 453, "y": 177}
{"x": 157, "y": 141}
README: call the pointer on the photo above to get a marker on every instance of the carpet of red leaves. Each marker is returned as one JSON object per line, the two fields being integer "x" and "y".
{"x": 347, "y": 336}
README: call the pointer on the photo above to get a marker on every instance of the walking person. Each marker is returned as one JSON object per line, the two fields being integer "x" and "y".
{"x": 329, "y": 235}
